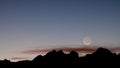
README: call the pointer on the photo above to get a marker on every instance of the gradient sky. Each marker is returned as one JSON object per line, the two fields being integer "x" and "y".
{"x": 40, "y": 24}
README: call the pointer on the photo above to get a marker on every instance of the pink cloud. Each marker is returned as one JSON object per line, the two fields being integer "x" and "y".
{"x": 79, "y": 50}
{"x": 115, "y": 50}
{"x": 19, "y": 58}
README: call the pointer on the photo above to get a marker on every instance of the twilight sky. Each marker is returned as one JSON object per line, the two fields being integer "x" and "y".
{"x": 41, "y": 24}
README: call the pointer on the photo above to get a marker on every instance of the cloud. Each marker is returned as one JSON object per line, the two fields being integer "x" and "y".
{"x": 19, "y": 58}
{"x": 82, "y": 50}
{"x": 115, "y": 50}
{"x": 79, "y": 50}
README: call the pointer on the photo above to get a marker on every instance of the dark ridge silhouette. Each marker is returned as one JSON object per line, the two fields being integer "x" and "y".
{"x": 101, "y": 57}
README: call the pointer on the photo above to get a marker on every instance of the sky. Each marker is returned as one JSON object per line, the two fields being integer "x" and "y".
{"x": 27, "y": 25}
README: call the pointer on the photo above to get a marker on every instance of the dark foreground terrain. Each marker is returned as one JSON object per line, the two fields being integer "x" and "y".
{"x": 100, "y": 58}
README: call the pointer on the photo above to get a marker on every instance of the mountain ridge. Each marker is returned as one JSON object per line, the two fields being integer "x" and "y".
{"x": 101, "y": 56}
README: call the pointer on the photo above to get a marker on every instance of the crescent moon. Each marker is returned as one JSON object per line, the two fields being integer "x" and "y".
{"x": 87, "y": 41}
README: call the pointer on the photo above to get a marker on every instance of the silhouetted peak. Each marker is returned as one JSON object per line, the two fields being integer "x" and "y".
{"x": 60, "y": 52}
{"x": 38, "y": 58}
{"x": 73, "y": 53}
{"x": 6, "y": 60}
{"x": 53, "y": 51}
{"x": 102, "y": 52}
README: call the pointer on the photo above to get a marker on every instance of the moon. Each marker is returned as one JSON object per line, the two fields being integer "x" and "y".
{"x": 87, "y": 41}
